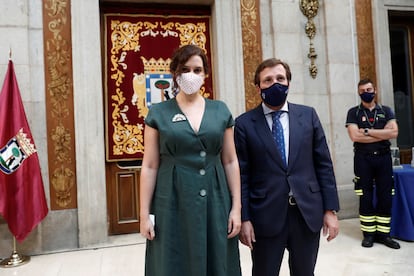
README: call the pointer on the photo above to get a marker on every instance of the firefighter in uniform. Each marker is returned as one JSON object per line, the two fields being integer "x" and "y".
{"x": 370, "y": 126}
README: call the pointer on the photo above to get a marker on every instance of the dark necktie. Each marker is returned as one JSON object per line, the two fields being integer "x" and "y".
{"x": 277, "y": 132}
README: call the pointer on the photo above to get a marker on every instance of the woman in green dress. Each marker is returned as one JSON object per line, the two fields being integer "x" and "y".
{"x": 190, "y": 180}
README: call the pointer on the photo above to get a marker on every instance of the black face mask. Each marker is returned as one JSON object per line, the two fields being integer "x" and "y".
{"x": 367, "y": 97}
{"x": 275, "y": 95}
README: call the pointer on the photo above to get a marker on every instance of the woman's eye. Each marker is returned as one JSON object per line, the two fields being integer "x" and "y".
{"x": 198, "y": 70}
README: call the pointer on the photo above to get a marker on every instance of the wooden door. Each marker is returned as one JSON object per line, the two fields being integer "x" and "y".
{"x": 122, "y": 198}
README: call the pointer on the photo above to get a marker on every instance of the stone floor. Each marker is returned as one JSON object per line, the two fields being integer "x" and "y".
{"x": 343, "y": 256}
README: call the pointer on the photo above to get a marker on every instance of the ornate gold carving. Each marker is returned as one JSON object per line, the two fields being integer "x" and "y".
{"x": 61, "y": 138}
{"x": 252, "y": 49}
{"x": 125, "y": 37}
{"x": 127, "y": 138}
{"x": 59, "y": 103}
{"x": 192, "y": 34}
{"x": 63, "y": 180}
{"x": 310, "y": 8}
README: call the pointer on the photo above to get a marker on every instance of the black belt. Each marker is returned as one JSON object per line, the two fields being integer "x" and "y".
{"x": 292, "y": 201}
{"x": 373, "y": 152}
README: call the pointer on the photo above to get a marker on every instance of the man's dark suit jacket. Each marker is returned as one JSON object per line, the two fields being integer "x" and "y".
{"x": 266, "y": 180}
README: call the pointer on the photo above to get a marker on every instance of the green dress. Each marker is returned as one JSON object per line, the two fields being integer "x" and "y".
{"x": 191, "y": 201}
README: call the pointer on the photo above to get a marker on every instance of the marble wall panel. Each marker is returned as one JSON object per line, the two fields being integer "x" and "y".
{"x": 14, "y": 12}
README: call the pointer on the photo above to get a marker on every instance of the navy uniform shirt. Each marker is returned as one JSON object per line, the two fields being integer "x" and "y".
{"x": 376, "y": 119}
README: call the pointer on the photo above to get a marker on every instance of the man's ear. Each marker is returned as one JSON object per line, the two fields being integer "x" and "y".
{"x": 257, "y": 88}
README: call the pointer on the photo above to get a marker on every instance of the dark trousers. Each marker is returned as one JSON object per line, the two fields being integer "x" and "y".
{"x": 302, "y": 244}
{"x": 374, "y": 173}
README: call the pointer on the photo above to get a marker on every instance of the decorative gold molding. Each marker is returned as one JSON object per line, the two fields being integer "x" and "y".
{"x": 59, "y": 103}
{"x": 252, "y": 48}
{"x": 310, "y": 8}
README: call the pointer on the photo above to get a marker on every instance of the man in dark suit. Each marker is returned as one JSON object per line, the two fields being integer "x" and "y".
{"x": 288, "y": 193}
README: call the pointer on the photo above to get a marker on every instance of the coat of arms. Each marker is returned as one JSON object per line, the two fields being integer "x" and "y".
{"x": 15, "y": 152}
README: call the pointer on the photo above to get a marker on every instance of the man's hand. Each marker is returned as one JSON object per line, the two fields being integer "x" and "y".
{"x": 330, "y": 225}
{"x": 247, "y": 236}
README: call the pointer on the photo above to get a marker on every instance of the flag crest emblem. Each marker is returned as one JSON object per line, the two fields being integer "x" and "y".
{"x": 15, "y": 152}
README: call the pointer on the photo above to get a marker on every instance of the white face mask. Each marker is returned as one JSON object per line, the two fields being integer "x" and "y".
{"x": 190, "y": 83}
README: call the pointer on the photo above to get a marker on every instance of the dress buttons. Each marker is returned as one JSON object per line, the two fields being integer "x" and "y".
{"x": 202, "y": 171}
{"x": 203, "y": 193}
{"x": 202, "y": 153}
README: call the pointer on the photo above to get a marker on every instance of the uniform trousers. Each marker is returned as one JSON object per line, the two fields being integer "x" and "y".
{"x": 301, "y": 243}
{"x": 374, "y": 173}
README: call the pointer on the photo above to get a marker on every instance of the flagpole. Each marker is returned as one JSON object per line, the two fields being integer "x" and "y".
{"x": 15, "y": 258}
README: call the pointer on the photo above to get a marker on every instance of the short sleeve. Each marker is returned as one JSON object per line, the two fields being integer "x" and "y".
{"x": 351, "y": 117}
{"x": 151, "y": 118}
{"x": 227, "y": 113}
{"x": 389, "y": 114}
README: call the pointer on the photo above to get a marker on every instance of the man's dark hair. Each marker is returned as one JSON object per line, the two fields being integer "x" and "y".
{"x": 365, "y": 81}
{"x": 268, "y": 63}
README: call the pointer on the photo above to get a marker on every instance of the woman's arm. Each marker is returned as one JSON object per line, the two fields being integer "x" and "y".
{"x": 148, "y": 179}
{"x": 231, "y": 168}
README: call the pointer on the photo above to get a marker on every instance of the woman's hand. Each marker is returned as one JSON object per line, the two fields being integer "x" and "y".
{"x": 147, "y": 228}
{"x": 234, "y": 224}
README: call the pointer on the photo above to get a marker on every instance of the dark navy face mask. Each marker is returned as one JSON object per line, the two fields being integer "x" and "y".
{"x": 275, "y": 95}
{"x": 367, "y": 97}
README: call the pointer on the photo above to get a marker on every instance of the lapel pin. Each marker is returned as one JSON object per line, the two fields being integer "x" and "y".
{"x": 178, "y": 118}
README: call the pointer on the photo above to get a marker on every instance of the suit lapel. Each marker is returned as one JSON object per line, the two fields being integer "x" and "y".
{"x": 295, "y": 132}
{"x": 265, "y": 134}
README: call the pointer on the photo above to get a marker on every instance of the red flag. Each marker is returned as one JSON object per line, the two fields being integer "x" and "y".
{"x": 22, "y": 197}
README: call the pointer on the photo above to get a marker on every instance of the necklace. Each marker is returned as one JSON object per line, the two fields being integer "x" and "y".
{"x": 369, "y": 119}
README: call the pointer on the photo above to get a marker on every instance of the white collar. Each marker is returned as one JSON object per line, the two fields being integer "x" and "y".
{"x": 267, "y": 110}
